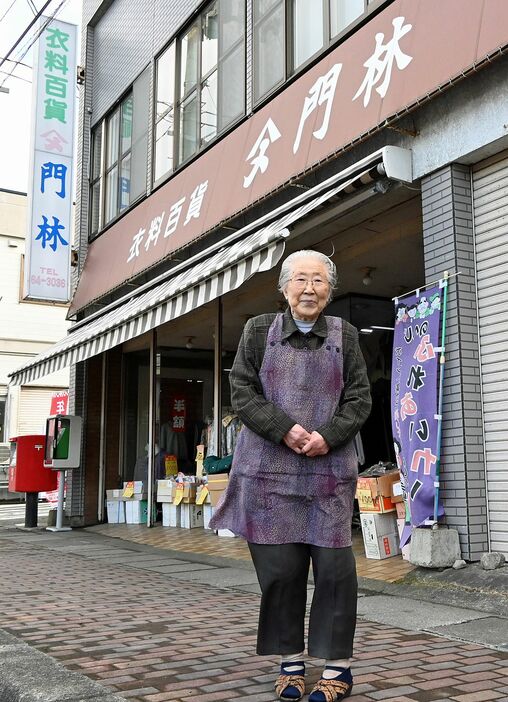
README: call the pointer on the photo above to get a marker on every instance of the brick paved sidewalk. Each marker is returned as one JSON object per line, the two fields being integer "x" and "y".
{"x": 151, "y": 637}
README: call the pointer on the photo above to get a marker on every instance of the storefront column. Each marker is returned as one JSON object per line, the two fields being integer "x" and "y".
{"x": 217, "y": 376}
{"x": 152, "y": 415}
{"x": 448, "y": 245}
{"x": 75, "y": 495}
{"x": 102, "y": 442}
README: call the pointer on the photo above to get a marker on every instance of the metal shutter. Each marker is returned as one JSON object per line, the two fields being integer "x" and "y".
{"x": 490, "y": 189}
{"x": 33, "y": 409}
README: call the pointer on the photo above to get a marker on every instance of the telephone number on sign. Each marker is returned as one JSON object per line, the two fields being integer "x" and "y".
{"x": 50, "y": 282}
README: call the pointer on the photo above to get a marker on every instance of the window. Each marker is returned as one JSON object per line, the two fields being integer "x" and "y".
{"x": 119, "y": 156}
{"x": 165, "y": 113}
{"x": 96, "y": 181}
{"x": 269, "y": 41}
{"x": 311, "y": 26}
{"x": 343, "y": 13}
{"x": 208, "y": 93}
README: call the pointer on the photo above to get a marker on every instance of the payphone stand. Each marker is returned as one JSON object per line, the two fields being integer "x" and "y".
{"x": 63, "y": 450}
{"x": 60, "y": 505}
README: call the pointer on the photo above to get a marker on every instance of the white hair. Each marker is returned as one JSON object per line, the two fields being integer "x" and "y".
{"x": 287, "y": 266}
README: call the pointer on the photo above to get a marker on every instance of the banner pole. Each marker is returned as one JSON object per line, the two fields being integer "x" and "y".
{"x": 440, "y": 398}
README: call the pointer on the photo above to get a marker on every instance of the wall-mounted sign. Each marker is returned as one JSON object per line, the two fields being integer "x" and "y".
{"x": 48, "y": 238}
{"x": 398, "y": 59}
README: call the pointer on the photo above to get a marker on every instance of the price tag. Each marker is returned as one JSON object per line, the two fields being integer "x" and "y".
{"x": 178, "y": 494}
{"x": 170, "y": 465}
{"x": 129, "y": 490}
{"x": 202, "y": 495}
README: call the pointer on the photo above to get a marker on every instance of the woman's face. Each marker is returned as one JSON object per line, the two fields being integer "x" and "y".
{"x": 308, "y": 289}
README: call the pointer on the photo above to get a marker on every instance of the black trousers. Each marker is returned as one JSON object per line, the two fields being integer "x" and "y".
{"x": 282, "y": 572}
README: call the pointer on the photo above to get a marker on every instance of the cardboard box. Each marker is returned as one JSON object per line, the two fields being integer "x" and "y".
{"x": 189, "y": 493}
{"x": 375, "y": 494}
{"x": 397, "y": 492}
{"x": 380, "y": 535}
{"x": 217, "y": 484}
{"x": 136, "y": 511}
{"x": 171, "y": 515}
{"x": 114, "y": 494}
{"x": 192, "y": 516}
{"x": 400, "y": 509}
{"x": 207, "y": 515}
{"x": 165, "y": 490}
{"x": 116, "y": 511}
{"x": 166, "y": 487}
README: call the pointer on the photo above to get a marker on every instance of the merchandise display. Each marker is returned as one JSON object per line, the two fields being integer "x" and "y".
{"x": 136, "y": 512}
{"x": 116, "y": 511}
{"x": 374, "y": 489}
{"x": 380, "y": 536}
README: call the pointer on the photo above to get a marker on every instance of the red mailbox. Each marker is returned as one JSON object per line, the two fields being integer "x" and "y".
{"x": 26, "y": 468}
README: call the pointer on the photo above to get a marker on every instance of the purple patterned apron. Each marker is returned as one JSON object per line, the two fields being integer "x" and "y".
{"x": 274, "y": 495}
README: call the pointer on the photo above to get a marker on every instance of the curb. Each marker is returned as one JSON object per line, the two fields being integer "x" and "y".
{"x": 28, "y": 675}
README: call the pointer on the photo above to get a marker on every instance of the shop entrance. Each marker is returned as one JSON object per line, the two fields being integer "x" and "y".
{"x": 379, "y": 255}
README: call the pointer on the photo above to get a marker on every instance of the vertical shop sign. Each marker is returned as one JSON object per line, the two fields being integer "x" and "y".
{"x": 178, "y": 414}
{"x": 48, "y": 240}
{"x": 59, "y": 405}
{"x": 414, "y": 402}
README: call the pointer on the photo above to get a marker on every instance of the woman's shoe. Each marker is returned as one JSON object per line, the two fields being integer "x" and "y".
{"x": 333, "y": 690}
{"x": 290, "y": 686}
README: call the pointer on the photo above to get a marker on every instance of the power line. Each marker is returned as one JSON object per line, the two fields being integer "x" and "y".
{"x": 33, "y": 39}
{"x": 25, "y": 32}
{"x": 18, "y": 77}
{"x": 7, "y": 10}
{"x": 32, "y": 6}
{"x": 18, "y": 63}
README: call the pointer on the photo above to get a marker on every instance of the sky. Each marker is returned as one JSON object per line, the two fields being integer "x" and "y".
{"x": 16, "y": 106}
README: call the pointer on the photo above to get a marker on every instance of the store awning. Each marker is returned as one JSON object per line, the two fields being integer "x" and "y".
{"x": 215, "y": 275}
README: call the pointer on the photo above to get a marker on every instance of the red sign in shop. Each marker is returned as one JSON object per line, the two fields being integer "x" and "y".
{"x": 408, "y": 51}
{"x": 178, "y": 414}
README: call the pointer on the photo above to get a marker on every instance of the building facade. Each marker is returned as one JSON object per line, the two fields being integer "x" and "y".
{"x": 216, "y": 136}
{"x": 28, "y": 328}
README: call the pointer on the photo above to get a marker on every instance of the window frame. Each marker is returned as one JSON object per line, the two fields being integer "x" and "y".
{"x": 96, "y": 180}
{"x": 329, "y": 42}
{"x": 197, "y": 90}
{"x": 104, "y": 169}
{"x": 164, "y": 176}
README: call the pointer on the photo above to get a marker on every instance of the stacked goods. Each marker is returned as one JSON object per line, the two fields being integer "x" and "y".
{"x": 380, "y": 535}
{"x": 136, "y": 506}
{"x": 217, "y": 483}
{"x": 178, "y": 498}
{"x": 115, "y": 507}
{"x": 374, "y": 493}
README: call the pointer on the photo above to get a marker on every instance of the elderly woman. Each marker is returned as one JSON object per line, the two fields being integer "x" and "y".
{"x": 299, "y": 384}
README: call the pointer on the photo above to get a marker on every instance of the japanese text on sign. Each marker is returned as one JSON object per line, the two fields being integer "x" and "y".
{"x": 414, "y": 401}
{"x": 49, "y": 223}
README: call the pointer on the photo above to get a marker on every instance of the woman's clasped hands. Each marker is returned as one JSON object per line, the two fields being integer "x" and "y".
{"x": 309, "y": 444}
